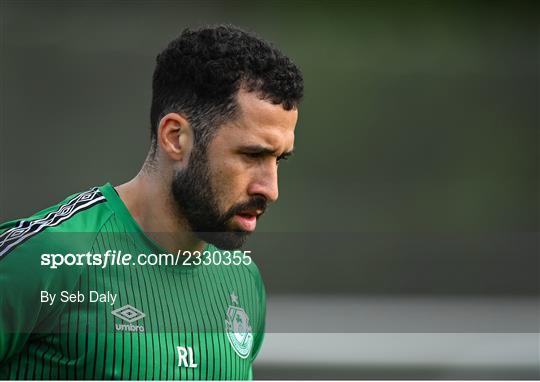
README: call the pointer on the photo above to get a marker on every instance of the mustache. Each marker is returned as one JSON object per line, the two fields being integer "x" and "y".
{"x": 255, "y": 203}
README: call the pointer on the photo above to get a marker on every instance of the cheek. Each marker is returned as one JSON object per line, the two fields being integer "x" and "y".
{"x": 229, "y": 182}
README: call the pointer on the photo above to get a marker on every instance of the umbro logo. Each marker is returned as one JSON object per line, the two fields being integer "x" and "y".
{"x": 130, "y": 314}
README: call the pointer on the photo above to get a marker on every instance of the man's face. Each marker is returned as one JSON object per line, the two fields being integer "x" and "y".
{"x": 224, "y": 190}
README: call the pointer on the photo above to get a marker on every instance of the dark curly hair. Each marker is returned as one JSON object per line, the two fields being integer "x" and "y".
{"x": 201, "y": 71}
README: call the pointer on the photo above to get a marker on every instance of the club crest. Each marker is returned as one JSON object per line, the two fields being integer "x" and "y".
{"x": 237, "y": 328}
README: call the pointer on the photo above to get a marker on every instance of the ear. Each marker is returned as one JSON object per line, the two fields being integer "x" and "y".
{"x": 175, "y": 137}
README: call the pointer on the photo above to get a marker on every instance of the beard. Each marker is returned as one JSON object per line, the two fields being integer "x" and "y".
{"x": 196, "y": 200}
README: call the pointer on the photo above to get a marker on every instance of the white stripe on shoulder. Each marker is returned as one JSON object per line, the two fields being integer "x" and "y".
{"x": 28, "y": 228}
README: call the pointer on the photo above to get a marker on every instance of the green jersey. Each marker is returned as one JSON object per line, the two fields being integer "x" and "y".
{"x": 74, "y": 305}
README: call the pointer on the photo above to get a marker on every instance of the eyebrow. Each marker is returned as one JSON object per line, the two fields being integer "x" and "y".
{"x": 262, "y": 150}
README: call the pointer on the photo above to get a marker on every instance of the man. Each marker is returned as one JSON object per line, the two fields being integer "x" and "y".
{"x": 73, "y": 306}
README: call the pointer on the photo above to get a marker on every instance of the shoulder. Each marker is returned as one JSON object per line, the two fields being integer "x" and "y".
{"x": 73, "y": 222}
{"x": 255, "y": 273}
{"x": 246, "y": 266}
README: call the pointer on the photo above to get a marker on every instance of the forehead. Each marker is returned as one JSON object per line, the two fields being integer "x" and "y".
{"x": 260, "y": 122}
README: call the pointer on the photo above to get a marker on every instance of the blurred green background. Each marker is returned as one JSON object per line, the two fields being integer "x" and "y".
{"x": 416, "y": 169}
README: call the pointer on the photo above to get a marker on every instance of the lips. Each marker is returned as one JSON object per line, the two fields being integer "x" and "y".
{"x": 247, "y": 220}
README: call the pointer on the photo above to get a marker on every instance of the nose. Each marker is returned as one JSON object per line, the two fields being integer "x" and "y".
{"x": 265, "y": 183}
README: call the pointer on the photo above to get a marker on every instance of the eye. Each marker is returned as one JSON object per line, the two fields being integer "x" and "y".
{"x": 253, "y": 155}
{"x": 252, "y": 158}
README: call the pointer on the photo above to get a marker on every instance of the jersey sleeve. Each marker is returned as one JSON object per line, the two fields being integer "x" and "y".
{"x": 61, "y": 229}
{"x": 261, "y": 325}
{"x": 258, "y": 327}
{"x": 22, "y": 281}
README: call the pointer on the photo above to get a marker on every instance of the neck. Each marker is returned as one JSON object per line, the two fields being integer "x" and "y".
{"x": 150, "y": 203}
